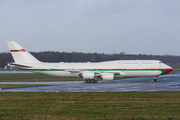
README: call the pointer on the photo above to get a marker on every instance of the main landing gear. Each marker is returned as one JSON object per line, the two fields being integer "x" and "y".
{"x": 91, "y": 81}
{"x": 156, "y": 79}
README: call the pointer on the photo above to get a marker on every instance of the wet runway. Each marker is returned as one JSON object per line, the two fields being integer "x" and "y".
{"x": 170, "y": 82}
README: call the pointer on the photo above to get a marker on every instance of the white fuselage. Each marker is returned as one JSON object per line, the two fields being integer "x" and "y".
{"x": 125, "y": 68}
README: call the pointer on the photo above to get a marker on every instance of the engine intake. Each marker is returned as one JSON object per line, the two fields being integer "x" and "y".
{"x": 107, "y": 76}
{"x": 88, "y": 75}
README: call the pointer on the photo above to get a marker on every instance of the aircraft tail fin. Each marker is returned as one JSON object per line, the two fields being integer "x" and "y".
{"x": 19, "y": 54}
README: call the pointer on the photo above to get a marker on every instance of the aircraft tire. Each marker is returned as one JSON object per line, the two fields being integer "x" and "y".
{"x": 89, "y": 81}
{"x": 155, "y": 80}
{"x": 86, "y": 81}
{"x": 93, "y": 81}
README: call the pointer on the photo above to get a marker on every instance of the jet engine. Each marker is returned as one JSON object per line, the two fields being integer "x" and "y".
{"x": 107, "y": 76}
{"x": 88, "y": 75}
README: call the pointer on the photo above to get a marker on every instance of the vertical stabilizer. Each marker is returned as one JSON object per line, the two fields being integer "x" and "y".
{"x": 20, "y": 55}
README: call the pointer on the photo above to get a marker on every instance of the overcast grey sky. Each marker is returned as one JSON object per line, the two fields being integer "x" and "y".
{"x": 103, "y": 26}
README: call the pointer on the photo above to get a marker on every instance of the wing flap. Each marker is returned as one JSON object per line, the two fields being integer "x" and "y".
{"x": 97, "y": 73}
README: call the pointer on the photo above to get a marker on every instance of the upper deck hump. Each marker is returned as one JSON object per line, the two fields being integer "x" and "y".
{"x": 132, "y": 61}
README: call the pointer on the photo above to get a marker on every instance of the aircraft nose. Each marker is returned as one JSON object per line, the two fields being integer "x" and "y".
{"x": 168, "y": 70}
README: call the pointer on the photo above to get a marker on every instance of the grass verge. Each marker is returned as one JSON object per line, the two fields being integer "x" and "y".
{"x": 30, "y": 78}
{"x": 17, "y": 85}
{"x": 33, "y": 78}
{"x": 105, "y": 106}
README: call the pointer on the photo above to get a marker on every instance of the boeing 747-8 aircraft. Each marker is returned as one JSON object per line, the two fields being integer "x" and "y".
{"x": 107, "y": 70}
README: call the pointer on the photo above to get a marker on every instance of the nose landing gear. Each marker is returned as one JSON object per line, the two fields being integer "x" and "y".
{"x": 156, "y": 79}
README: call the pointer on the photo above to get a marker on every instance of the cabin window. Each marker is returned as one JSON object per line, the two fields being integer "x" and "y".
{"x": 146, "y": 62}
{"x": 130, "y": 62}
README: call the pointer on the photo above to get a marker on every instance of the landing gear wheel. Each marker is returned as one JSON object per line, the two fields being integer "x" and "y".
{"x": 86, "y": 81}
{"x": 93, "y": 81}
{"x": 89, "y": 81}
{"x": 155, "y": 80}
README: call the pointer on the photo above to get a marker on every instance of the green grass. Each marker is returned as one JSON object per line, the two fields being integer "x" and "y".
{"x": 30, "y": 78}
{"x": 7, "y": 69}
{"x": 80, "y": 106}
{"x": 176, "y": 66}
{"x": 33, "y": 78}
{"x": 17, "y": 85}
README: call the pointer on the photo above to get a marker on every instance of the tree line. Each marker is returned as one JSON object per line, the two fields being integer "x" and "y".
{"x": 51, "y": 56}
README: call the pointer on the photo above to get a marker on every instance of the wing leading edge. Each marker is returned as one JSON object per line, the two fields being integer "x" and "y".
{"x": 94, "y": 74}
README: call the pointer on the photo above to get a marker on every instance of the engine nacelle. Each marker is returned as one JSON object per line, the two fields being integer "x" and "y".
{"x": 107, "y": 76}
{"x": 88, "y": 75}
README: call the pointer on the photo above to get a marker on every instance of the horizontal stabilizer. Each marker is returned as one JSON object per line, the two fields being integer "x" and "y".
{"x": 20, "y": 66}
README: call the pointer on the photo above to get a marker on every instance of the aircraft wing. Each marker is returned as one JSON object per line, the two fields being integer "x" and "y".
{"x": 85, "y": 74}
{"x": 96, "y": 73}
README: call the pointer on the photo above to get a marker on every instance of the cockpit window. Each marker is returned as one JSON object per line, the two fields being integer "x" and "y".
{"x": 160, "y": 62}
